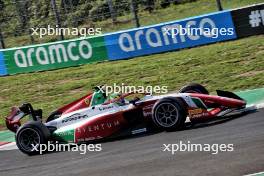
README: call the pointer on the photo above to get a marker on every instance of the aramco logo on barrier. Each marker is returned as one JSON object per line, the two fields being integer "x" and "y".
{"x": 55, "y": 53}
{"x": 154, "y": 37}
{"x": 170, "y": 36}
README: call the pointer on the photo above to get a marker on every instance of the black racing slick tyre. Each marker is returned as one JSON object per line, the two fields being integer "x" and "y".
{"x": 169, "y": 114}
{"x": 30, "y": 136}
{"x": 194, "y": 88}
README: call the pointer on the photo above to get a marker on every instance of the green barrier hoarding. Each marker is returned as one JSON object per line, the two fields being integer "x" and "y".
{"x": 55, "y": 55}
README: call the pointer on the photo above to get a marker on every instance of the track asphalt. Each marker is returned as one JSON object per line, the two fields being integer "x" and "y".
{"x": 144, "y": 155}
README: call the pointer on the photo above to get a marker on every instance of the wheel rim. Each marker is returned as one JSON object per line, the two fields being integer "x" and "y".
{"x": 27, "y": 138}
{"x": 166, "y": 114}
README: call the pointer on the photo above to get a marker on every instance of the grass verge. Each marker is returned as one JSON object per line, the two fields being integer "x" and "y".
{"x": 234, "y": 65}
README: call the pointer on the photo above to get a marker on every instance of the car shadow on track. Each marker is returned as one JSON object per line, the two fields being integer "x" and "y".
{"x": 217, "y": 120}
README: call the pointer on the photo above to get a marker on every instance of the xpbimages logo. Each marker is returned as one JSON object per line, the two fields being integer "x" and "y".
{"x": 195, "y": 33}
{"x": 70, "y": 147}
{"x": 192, "y": 147}
{"x": 84, "y": 32}
{"x": 123, "y": 88}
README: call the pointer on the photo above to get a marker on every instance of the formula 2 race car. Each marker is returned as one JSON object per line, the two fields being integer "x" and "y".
{"x": 94, "y": 117}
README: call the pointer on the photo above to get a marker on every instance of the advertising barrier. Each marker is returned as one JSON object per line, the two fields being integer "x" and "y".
{"x": 174, "y": 35}
{"x": 249, "y": 21}
{"x": 3, "y": 71}
{"x": 160, "y": 38}
{"x": 55, "y": 55}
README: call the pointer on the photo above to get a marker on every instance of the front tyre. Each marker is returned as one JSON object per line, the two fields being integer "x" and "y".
{"x": 169, "y": 114}
{"x": 30, "y": 136}
{"x": 194, "y": 88}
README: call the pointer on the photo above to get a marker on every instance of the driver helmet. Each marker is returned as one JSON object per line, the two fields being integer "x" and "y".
{"x": 99, "y": 96}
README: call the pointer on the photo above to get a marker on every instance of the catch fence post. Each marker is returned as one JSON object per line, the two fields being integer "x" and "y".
{"x": 57, "y": 16}
{"x": 134, "y": 10}
{"x": 219, "y": 5}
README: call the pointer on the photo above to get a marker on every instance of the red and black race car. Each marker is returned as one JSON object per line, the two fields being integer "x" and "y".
{"x": 89, "y": 118}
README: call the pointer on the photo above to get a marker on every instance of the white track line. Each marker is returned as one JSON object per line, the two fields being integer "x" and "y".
{"x": 260, "y": 105}
{"x": 9, "y": 146}
{"x": 258, "y": 173}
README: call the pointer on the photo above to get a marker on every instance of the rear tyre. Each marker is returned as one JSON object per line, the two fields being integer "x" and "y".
{"x": 30, "y": 136}
{"x": 169, "y": 114}
{"x": 194, "y": 88}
